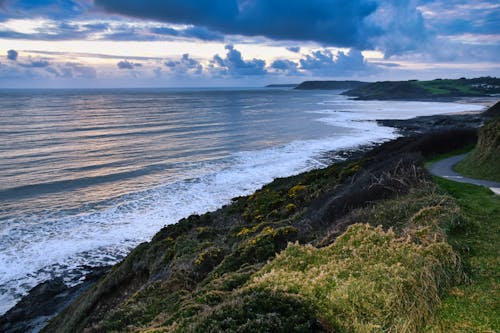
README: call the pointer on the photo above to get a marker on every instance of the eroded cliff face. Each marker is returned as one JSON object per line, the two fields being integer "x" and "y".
{"x": 194, "y": 275}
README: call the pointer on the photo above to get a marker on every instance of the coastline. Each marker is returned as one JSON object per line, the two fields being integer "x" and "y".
{"x": 31, "y": 313}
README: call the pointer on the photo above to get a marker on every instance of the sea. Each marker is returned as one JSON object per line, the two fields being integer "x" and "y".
{"x": 86, "y": 175}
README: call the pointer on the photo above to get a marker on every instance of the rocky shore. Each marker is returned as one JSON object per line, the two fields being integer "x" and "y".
{"x": 44, "y": 301}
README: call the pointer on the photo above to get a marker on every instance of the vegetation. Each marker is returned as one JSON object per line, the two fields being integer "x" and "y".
{"x": 473, "y": 305}
{"x": 414, "y": 89}
{"x": 484, "y": 161}
{"x": 367, "y": 280}
{"x": 368, "y": 245}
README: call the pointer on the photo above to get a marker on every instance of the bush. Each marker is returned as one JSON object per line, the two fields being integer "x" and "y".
{"x": 259, "y": 311}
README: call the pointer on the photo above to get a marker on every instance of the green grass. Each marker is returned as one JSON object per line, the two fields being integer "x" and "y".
{"x": 474, "y": 306}
{"x": 440, "y": 157}
{"x": 445, "y": 87}
{"x": 484, "y": 161}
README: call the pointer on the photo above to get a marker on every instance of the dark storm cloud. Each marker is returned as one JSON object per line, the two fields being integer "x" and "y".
{"x": 12, "y": 55}
{"x": 191, "y": 32}
{"x": 392, "y": 26}
{"x": 55, "y": 9}
{"x": 336, "y": 22}
{"x": 234, "y": 65}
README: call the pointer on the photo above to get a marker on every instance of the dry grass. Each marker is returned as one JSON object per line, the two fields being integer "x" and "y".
{"x": 370, "y": 280}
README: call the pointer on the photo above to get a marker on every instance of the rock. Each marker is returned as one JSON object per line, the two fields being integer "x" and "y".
{"x": 43, "y": 302}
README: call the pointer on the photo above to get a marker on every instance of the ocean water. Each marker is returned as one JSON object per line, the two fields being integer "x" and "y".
{"x": 85, "y": 175}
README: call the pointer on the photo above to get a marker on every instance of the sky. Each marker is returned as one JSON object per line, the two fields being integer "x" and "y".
{"x": 198, "y": 43}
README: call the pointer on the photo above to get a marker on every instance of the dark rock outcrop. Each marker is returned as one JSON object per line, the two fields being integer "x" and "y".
{"x": 330, "y": 85}
{"x": 43, "y": 302}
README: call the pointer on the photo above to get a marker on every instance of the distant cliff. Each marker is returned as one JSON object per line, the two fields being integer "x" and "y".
{"x": 439, "y": 88}
{"x": 330, "y": 85}
{"x": 283, "y": 85}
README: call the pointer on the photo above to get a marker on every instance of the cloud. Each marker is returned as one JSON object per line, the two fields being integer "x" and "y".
{"x": 294, "y": 49}
{"x": 287, "y": 67}
{"x": 56, "y": 9}
{"x": 125, "y": 64}
{"x": 455, "y": 17}
{"x": 50, "y": 30}
{"x": 190, "y": 32}
{"x": 77, "y": 70}
{"x": 385, "y": 64}
{"x": 35, "y": 64}
{"x": 338, "y": 22}
{"x": 70, "y": 74}
{"x": 91, "y": 55}
{"x": 402, "y": 25}
{"x": 326, "y": 63}
{"x": 184, "y": 66}
{"x": 12, "y": 55}
{"x": 234, "y": 65}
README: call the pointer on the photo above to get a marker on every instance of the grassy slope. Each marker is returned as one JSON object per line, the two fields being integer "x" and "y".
{"x": 484, "y": 160}
{"x": 370, "y": 279}
{"x": 448, "y": 87}
{"x": 427, "y": 89}
{"x": 205, "y": 273}
{"x": 473, "y": 307}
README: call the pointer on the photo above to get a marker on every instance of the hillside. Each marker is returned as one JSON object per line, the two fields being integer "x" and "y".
{"x": 439, "y": 88}
{"x": 484, "y": 161}
{"x": 330, "y": 85}
{"x": 364, "y": 233}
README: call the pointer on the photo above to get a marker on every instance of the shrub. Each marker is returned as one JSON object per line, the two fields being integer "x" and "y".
{"x": 259, "y": 311}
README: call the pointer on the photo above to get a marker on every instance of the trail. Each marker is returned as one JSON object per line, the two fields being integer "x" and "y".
{"x": 444, "y": 169}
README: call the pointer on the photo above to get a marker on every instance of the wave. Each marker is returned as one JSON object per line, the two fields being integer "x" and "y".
{"x": 70, "y": 243}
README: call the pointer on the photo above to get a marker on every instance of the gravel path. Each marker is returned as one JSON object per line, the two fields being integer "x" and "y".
{"x": 444, "y": 169}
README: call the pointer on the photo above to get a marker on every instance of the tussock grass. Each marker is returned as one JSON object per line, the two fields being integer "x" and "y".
{"x": 386, "y": 275}
{"x": 369, "y": 280}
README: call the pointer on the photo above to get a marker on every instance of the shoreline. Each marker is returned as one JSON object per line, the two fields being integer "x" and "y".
{"x": 31, "y": 314}
{"x": 486, "y": 101}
